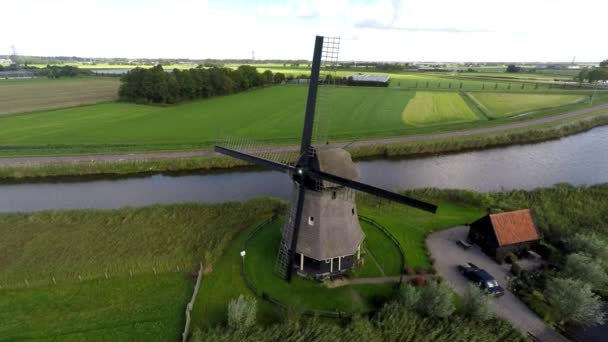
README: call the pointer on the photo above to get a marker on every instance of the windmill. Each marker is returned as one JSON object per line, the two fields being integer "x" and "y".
{"x": 321, "y": 234}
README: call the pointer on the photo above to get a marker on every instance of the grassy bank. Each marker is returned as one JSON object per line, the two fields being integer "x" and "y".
{"x": 530, "y": 134}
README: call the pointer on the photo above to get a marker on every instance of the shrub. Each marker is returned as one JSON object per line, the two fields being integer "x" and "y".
{"x": 516, "y": 269}
{"x": 583, "y": 267}
{"x": 500, "y": 258}
{"x": 432, "y": 270}
{"x": 409, "y": 271}
{"x": 436, "y": 300}
{"x": 476, "y": 304}
{"x": 591, "y": 244}
{"x": 242, "y": 312}
{"x": 409, "y": 296}
{"x": 511, "y": 257}
{"x": 573, "y": 302}
{"x": 420, "y": 270}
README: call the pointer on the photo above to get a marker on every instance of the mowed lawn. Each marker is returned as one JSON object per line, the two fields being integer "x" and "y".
{"x": 507, "y": 104}
{"x": 19, "y": 96}
{"x": 437, "y": 107}
{"x": 274, "y": 113}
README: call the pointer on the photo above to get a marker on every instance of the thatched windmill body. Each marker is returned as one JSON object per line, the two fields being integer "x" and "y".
{"x": 321, "y": 234}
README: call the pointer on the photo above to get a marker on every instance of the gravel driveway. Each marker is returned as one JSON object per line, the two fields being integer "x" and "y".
{"x": 448, "y": 255}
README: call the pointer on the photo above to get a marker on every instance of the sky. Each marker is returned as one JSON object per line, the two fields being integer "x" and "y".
{"x": 380, "y": 30}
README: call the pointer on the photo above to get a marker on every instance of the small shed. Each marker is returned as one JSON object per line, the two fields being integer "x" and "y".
{"x": 503, "y": 233}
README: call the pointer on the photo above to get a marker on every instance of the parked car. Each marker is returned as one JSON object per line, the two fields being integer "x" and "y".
{"x": 484, "y": 279}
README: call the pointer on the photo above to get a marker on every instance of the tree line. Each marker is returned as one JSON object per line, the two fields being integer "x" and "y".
{"x": 154, "y": 85}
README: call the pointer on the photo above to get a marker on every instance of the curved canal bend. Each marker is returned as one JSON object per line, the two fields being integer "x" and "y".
{"x": 578, "y": 159}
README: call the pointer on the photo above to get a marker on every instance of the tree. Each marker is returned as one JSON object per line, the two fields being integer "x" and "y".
{"x": 513, "y": 68}
{"x": 436, "y": 300}
{"x": 592, "y": 245}
{"x": 582, "y": 75}
{"x": 582, "y": 266}
{"x": 279, "y": 77}
{"x": 573, "y": 302}
{"x": 604, "y": 63}
{"x": 598, "y": 74}
{"x": 476, "y": 304}
{"x": 242, "y": 312}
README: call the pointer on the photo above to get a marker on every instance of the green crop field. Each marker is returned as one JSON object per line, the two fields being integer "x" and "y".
{"x": 507, "y": 104}
{"x": 437, "y": 107}
{"x": 19, "y": 96}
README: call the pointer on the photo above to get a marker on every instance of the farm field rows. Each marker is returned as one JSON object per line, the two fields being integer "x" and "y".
{"x": 19, "y": 96}
{"x": 436, "y": 107}
{"x": 507, "y": 104}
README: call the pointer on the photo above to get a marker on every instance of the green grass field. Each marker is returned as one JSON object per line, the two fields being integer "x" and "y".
{"x": 19, "y": 96}
{"x": 410, "y": 226}
{"x": 504, "y": 104}
{"x": 139, "y": 308}
{"x": 428, "y": 108}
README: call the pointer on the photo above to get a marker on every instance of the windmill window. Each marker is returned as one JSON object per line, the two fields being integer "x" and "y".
{"x": 353, "y": 210}
{"x": 333, "y": 195}
{"x": 327, "y": 261}
{"x": 311, "y": 220}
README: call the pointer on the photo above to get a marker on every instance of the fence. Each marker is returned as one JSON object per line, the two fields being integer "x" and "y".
{"x": 310, "y": 312}
{"x": 190, "y": 305}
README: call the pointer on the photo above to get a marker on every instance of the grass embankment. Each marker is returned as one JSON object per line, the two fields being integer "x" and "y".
{"x": 536, "y": 133}
{"x": 53, "y": 267}
{"x": 21, "y": 96}
{"x": 436, "y": 107}
{"x": 498, "y": 105}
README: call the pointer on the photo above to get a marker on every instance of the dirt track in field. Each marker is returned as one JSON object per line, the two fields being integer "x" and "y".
{"x": 203, "y": 153}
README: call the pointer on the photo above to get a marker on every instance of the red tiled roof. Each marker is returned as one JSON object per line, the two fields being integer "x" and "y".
{"x": 514, "y": 227}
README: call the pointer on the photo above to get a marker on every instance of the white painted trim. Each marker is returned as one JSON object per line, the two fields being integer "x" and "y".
{"x": 301, "y": 262}
{"x": 339, "y": 263}
{"x": 359, "y": 252}
{"x": 331, "y": 265}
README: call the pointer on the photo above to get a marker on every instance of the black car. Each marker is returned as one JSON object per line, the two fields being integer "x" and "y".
{"x": 482, "y": 278}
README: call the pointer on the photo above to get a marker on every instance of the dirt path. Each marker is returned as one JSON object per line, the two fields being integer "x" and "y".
{"x": 199, "y": 153}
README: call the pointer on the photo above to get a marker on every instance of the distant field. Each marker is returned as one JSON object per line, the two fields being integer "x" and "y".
{"x": 506, "y": 104}
{"x": 18, "y": 96}
{"x": 437, "y": 107}
{"x": 274, "y": 113}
